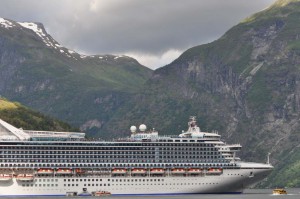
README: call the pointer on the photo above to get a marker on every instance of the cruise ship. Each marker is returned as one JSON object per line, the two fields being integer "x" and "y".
{"x": 43, "y": 163}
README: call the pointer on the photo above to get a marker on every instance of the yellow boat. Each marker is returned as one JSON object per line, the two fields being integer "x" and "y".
{"x": 279, "y": 192}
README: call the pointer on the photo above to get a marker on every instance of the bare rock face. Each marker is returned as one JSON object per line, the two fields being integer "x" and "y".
{"x": 244, "y": 85}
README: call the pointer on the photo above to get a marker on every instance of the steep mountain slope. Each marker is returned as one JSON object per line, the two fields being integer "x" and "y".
{"x": 83, "y": 90}
{"x": 23, "y": 117}
{"x": 246, "y": 85}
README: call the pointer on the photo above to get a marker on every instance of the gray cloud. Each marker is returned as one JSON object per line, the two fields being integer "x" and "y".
{"x": 153, "y": 31}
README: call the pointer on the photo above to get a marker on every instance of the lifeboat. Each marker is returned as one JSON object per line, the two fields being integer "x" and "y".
{"x": 5, "y": 177}
{"x": 79, "y": 171}
{"x": 118, "y": 171}
{"x": 101, "y": 193}
{"x": 178, "y": 171}
{"x": 64, "y": 171}
{"x": 279, "y": 192}
{"x": 157, "y": 171}
{"x": 45, "y": 171}
{"x": 25, "y": 177}
{"x": 194, "y": 171}
{"x": 214, "y": 171}
{"x": 138, "y": 171}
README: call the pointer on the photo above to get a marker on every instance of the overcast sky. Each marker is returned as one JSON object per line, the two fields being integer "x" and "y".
{"x": 155, "y": 32}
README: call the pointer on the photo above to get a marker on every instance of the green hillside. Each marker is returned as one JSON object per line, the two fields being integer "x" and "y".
{"x": 23, "y": 117}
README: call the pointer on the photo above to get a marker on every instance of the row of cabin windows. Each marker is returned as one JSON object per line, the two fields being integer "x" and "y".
{"x": 97, "y": 158}
{"x": 140, "y": 151}
{"x": 133, "y": 154}
{"x": 60, "y": 164}
{"x": 52, "y": 145}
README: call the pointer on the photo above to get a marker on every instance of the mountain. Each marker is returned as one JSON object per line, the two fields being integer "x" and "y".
{"x": 23, "y": 117}
{"x": 83, "y": 90}
{"x": 245, "y": 85}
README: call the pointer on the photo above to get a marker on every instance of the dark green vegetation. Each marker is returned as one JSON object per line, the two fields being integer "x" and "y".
{"x": 83, "y": 90}
{"x": 23, "y": 117}
{"x": 246, "y": 85}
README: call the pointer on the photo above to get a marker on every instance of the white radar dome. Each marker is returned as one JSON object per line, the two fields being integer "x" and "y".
{"x": 143, "y": 127}
{"x": 133, "y": 129}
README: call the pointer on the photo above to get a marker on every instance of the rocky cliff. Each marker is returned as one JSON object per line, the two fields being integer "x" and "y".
{"x": 246, "y": 85}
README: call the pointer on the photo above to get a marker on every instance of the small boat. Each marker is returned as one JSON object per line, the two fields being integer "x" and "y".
{"x": 157, "y": 171}
{"x": 214, "y": 171}
{"x": 45, "y": 171}
{"x": 64, "y": 171}
{"x": 101, "y": 193}
{"x": 25, "y": 177}
{"x": 178, "y": 171}
{"x": 138, "y": 171}
{"x": 118, "y": 171}
{"x": 279, "y": 192}
{"x": 194, "y": 171}
{"x": 5, "y": 177}
{"x": 79, "y": 171}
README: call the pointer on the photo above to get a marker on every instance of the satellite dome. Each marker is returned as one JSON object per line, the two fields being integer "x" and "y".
{"x": 133, "y": 129}
{"x": 143, "y": 127}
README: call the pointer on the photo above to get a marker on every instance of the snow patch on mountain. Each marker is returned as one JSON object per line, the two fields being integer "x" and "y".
{"x": 39, "y": 30}
{"x": 5, "y": 23}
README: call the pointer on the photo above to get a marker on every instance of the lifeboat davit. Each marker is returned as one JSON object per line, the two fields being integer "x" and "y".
{"x": 45, "y": 171}
{"x": 214, "y": 171}
{"x": 157, "y": 171}
{"x": 118, "y": 171}
{"x": 178, "y": 171}
{"x": 138, "y": 171}
{"x": 5, "y": 177}
{"x": 64, "y": 171}
{"x": 25, "y": 177}
{"x": 194, "y": 171}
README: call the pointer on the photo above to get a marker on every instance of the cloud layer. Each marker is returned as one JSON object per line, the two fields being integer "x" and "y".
{"x": 155, "y": 31}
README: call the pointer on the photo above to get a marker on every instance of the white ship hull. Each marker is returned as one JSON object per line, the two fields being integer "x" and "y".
{"x": 231, "y": 181}
{"x": 41, "y": 163}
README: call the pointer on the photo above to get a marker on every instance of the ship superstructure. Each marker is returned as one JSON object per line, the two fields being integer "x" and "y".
{"x": 56, "y": 163}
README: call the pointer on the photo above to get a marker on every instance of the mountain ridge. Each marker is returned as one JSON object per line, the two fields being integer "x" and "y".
{"x": 63, "y": 83}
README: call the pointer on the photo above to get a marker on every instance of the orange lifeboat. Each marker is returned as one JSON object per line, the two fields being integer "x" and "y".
{"x": 138, "y": 171}
{"x": 101, "y": 193}
{"x": 178, "y": 171}
{"x": 157, "y": 171}
{"x": 25, "y": 177}
{"x": 79, "y": 171}
{"x": 194, "y": 171}
{"x": 64, "y": 171}
{"x": 5, "y": 177}
{"x": 215, "y": 171}
{"x": 118, "y": 171}
{"x": 45, "y": 171}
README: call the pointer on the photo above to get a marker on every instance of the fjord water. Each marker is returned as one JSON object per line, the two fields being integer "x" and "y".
{"x": 248, "y": 194}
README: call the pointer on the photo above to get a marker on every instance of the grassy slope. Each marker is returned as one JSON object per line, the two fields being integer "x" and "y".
{"x": 23, "y": 117}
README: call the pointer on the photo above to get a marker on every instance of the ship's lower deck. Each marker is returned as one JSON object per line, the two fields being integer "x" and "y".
{"x": 230, "y": 181}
